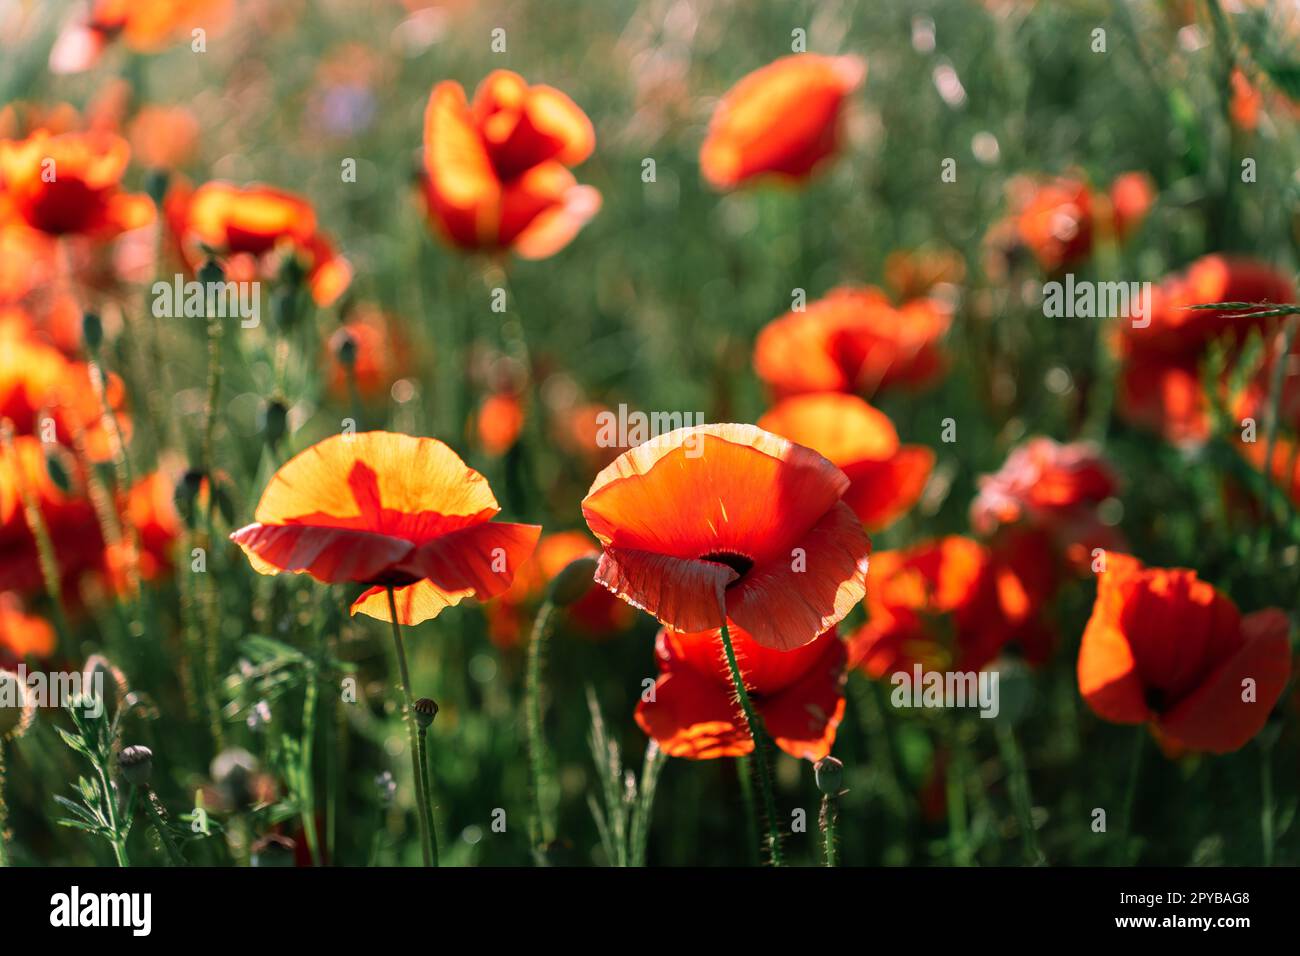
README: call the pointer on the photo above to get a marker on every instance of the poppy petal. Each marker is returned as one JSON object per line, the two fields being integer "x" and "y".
{"x": 327, "y": 554}
{"x": 1215, "y": 717}
{"x": 682, "y": 594}
{"x": 803, "y": 718}
{"x": 789, "y": 601}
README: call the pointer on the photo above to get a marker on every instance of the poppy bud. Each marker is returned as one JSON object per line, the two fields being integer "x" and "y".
{"x": 829, "y": 774}
{"x": 137, "y": 765}
{"x": 155, "y": 185}
{"x": 211, "y": 271}
{"x": 425, "y": 710}
{"x": 58, "y": 473}
{"x": 92, "y": 330}
{"x": 272, "y": 850}
{"x": 187, "y": 492}
{"x": 275, "y": 421}
{"x": 345, "y": 347}
{"x": 574, "y": 581}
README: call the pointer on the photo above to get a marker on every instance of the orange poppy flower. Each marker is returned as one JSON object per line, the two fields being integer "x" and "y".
{"x": 853, "y": 340}
{"x": 886, "y": 478}
{"x": 781, "y": 120}
{"x": 944, "y": 604}
{"x": 500, "y": 423}
{"x": 249, "y": 223}
{"x": 387, "y": 510}
{"x": 596, "y": 614}
{"x": 22, "y": 635}
{"x": 496, "y": 172}
{"x": 1159, "y": 384}
{"x": 694, "y": 713}
{"x": 71, "y": 184}
{"x": 1166, "y": 649}
{"x": 730, "y": 519}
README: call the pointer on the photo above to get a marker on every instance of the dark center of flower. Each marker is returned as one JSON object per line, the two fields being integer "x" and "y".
{"x": 738, "y": 562}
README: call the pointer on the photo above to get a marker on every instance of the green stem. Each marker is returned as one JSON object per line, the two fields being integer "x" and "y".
{"x": 1266, "y": 796}
{"x": 1018, "y": 779}
{"x": 827, "y": 820}
{"x": 755, "y": 726}
{"x": 428, "y": 795}
{"x": 408, "y": 713}
{"x": 538, "y": 757}
{"x": 1126, "y": 841}
{"x": 743, "y": 772}
{"x": 155, "y": 812}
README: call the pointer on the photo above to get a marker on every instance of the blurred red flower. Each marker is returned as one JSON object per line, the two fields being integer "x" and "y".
{"x": 70, "y": 183}
{"x": 496, "y": 172}
{"x": 886, "y": 478}
{"x": 1166, "y": 649}
{"x": 852, "y": 340}
{"x": 693, "y": 712}
{"x": 781, "y": 120}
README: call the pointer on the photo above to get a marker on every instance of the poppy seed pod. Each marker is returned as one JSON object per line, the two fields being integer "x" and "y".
{"x": 829, "y": 774}
{"x": 137, "y": 765}
{"x": 574, "y": 581}
{"x": 275, "y": 421}
{"x": 425, "y": 709}
{"x": 92, "y": 330}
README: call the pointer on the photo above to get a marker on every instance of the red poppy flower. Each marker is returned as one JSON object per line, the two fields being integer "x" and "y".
{"x": 1160, "y": 384}
{"x": 1166, "y": 649}
{"x": 1052, "y": 488}
{"x": 886, "y": 478}
{"x": 730, "y": 518}
{"x": 387, "y": 510}
{"x": 781, "y": 120}
{"x": 853, "y": 340}
{"x": 249, "y": 223}
{"x": 71, "y": 183}
{"x": 596, "y": 614}
{"x": 496, "y": 171}
{"x": 694, "y": 713}
{"x": 944, "y": 604}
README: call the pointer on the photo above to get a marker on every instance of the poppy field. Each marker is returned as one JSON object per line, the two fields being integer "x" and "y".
{"x": 649, "y": 433}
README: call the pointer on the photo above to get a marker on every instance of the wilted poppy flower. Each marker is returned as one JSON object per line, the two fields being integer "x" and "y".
{"x": 387, "y": 510}
{"x": 944, "y": 604}
{"x": 71, "y": 183}
{"x": 1160, "y": 385}
{"x": 1054, "y": 488}
{"x": 500, "y": 422}
{"x": 1166, "y": 649}
{"x": 251, "y": 222}
{"x": 853, "y": 340}
{"x": 781, "y": 120}
{"x": 596, "y": 613}
{"x": 496, "y": 171}
{"x": 693, "y": 712}
{"x": 886, "y": 478}
{"x": 730, "y": 518}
